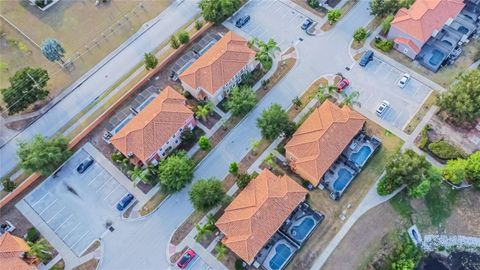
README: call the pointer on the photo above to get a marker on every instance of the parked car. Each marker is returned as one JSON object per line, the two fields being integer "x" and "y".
{"x": 6, "y": 227}
{"x": 342, "y": 84}
{"x": 307, "y": 24}
{"x": 124, "y": 202}
{"x": 366, "y": 58}
{"x": 242, "y": 21}
{"x": 383, "y": 107}
{"x": 404, "y": 80}
{"x": 186, "y": 258}
{"x": 84, "y": 165}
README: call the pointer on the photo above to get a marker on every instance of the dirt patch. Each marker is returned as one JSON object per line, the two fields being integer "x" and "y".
{"x": 153, "y": 203}
{"x": 88, "y": 265}
{"x": 186, "y": 227}
{"x": 364, "y": 238}
{"x": 456, "y": 135}
{"x": 356, "y": 45}
{"x": 92, "y": 247}
{"x": 21, "y": 124}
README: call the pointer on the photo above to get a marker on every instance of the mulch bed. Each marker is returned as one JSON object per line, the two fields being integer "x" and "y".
{"x": 212, "y": 119}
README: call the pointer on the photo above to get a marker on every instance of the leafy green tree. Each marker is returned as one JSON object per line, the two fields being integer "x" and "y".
{"x": 384, "y": 7}
{"x": 141, "y": 174}
{"x": 242, "y": 99}
{"x": 8, "y": 185}
{"x": 386, "y": 23}
{"x": 274, "y": 122}
{"x": 218, "y": 10}
{"x": 324, "y": 92}
{"x": 203, "y": 231}
{"x": 462, "y": 101}
{"x": 454, "y": 171}
{"x": 265, "y": 52}
{"x": 27, "y": 86}
{"x": 174, "y": 42}
{"x": 39, "y": 249}
{"x": 43, "y": 155}
{"x": 52, "y": 49}
{"x": 198, "y": 24}
{"x": 270, "y": 160}
{"x": 351, "y": 99}
{"x": 204, "y": 143}
{"x": 187, "y": 135}
{"x": 360, "y": 34}
{"x": 221, "y": 250}
{"x": 183, "y": 37}
{"x": 233, "y": 168}
{"x": 150, "y": 61}
{"x": 333, "y": 16}
{"x": 472, "y": 168}
{"x": 421, "y": 190}
{"x": 243, "y": 179}
{"x": 204, "y": 110}
{"x": 175, "y": 172}
{"x": 296, "y": 102}
{"x": 206, "y": 194}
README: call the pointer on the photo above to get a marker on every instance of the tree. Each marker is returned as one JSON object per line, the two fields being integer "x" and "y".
{"x": 386, "y": 23}
{"x": 198, "y": 24}
{"x": 472, "y": 168}
{"x": 27, "y": 86}
{"x": 454, "y": 171}
{"x": 39, "y": 249}
{"x": 141, "y": 174}
{"x": 242, "y": 99}
{"x": 53, "y": 50}
{"x": 313, "y": 3}
{"x": 204, "y": 110}
{"x": 43, "y": 155}
{"x": 360, "y": 34}
{"x": 150, "y": 61}
{"x": 175, "y": 172}
{"x": 174, "y": 43}
{"x": 296, "y": 102}
{"x": 204, "y": 143}
{"x": 183, "y": 37}
{"x": 243, "y": 179}
{"x": 274, "y": 122}
{"x": 421, "y": 190}
{"x": 384, "y": 7}
{"x": 265, "y": 52}
{"x": 324, "y": 92}
{"x": 270, "y": 160}
{"x": 462, "y": 101}
{"x": 351, "y": 99}
{"x": 8, "y": 185}
{"x": 187, "y": 135}
{"x": 221, "y": 250}
{"x": 233, "y": 168}
{"x": 206, "y": 194}
{"x": 217, "y": 10}
{"x": 333, "y": 15}
{"x": 203, "y": 231}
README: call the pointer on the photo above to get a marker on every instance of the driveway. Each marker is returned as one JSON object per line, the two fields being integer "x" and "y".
{"x": 108, "y": 73}
{"x": 378, "y": 81}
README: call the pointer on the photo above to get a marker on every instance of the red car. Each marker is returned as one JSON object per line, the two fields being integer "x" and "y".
{"x": 342, "y": 84}
{"x": 186, "y": 258}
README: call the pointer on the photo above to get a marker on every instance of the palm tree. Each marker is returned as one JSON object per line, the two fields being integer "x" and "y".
{"x": 324, "y": 92}
{"x": 39, "y": 249}
{"x": 270, "y": 47}
{"x": 202, "y": 231}
{"x": 351, "y": 99}
{"x": 270, "y": 160}
{"x": 204, "y": 110}
{"x": 221, "y": 250}
{"x": 139, "y": 174}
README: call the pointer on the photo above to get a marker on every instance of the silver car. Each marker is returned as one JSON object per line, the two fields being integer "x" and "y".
{"x": 382, "y": 108}
{"x": 404, "y": 80}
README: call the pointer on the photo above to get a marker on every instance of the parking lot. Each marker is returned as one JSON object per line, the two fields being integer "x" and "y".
{"x": 377, "y": 82}
{"x": 78, "y": 207}
{"x": 285, "y": 29}
{"x": 198, "y": 264}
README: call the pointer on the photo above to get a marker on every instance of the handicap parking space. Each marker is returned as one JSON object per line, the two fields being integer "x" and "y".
{"x": 377, "y": 82}
{"x": 77, "y": 207}
{"x": 280, "y": 22}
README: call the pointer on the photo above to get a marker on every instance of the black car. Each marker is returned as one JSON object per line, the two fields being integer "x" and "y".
{"x": 84, "y": 165}
{"x": 366, "y": 58}
{"x": 242, "y": 21}
{"x": 124, "y": 202}
{"x": 307, "y": 24}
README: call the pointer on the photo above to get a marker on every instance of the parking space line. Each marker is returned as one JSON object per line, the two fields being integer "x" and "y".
{"x": 59, "y": 226}
{"x": 54, "y": 201}
{"x": 80, "y": 239}
{"x": 56, "y": 214}
{"x": 94, "y": 178}
{"x": 78, "y": 224}
{"x": 35, "y": 203}
{"x": 113, "y": 190}
{"x": 104, "y": 183}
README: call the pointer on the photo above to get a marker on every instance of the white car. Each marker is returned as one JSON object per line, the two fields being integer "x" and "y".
{"x": 382, "y": 108}
{"x": 404, "y": 80}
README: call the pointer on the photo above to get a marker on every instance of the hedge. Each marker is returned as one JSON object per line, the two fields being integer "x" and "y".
{"x": 384, "y": 45}
{"x": 445, "y": 150}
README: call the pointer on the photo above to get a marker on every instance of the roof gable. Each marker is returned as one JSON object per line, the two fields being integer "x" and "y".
{"x": 153, "y": 126}
{"x": 12, "y": 244}
{"x": 258, "y": 212}
{"x": 321, "y": 139}
{"x": 219, "y": 64}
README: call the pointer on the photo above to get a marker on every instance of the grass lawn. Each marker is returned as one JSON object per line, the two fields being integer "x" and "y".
{"x": 401, "y": 204}
{"x": 429, "y": 102}
{"x": 62, "y": 22}
{"x": 320, "y": 200}
{"x": 152, "y": 204}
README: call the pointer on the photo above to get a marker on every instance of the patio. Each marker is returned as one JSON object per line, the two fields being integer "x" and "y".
{"x": 301, "y": 223}
{"x": 276, "y": 253}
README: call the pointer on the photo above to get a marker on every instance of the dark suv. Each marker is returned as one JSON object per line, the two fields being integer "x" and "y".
{"x": 366, "y": 58}
{"x": 84, "y": 165}
{"x": 124, "y": 202}
{"x": 307, "y": 24}
{"x": 242, "y": 21}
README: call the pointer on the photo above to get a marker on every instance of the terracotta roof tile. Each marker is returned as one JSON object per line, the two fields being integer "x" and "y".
{"x": 424, "y": 16}
{"x": 258, "y": 212}
{"x": 321, "y": 139}
{"x": 153, "y": 126}
{"x": 10, "y": 243}
{"x": 219, "y": 64}
{"x": 408, "y": 42}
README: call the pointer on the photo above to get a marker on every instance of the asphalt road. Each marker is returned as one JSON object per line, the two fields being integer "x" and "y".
{"x": 103, "y": 79}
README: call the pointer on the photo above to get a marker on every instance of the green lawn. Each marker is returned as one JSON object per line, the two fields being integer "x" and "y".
{"x": 401, "y": 204}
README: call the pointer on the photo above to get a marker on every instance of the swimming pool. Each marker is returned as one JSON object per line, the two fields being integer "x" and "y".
{"x": 282, "y": 253}
{"x": 437, "y": 57}
{"x": 344, "y": 177}
{"x": 361, "y": 156}
{"x": 299, "y": 232}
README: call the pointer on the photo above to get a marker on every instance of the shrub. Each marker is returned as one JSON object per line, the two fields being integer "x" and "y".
{"x": 187, "y": 135}
{"x": 32, "y": 235}
{"x": 239, "y": 264}
{"x": 386, "y": 23}
{"x": 198, "y": 24}
{"x": 313, "y": 3}
{"x": 360, "y": 34}
{"x": 8, "y": 185}
{"x": 174, "y": 43}
{"x": 384, "y": 45}
{"x": 183, "y": 37}
{"x": 233, "y": 168}
{"x": 386, "y": 187}
{"x": 445, "y": 150}
{"x": 204, "y": 143}
{"x": 206, "y": 194}
{"x": 424, "y": 137}
{"x": 243, "y": 179}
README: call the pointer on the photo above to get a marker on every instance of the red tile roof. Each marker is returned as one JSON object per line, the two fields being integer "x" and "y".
{"x": 219, "y": 64}
{"x": 258, "y": 212}
{"x": 153, "y": 126}
{"x": 11, "y": 247}
{"x": 321, "y": 139}
{"x": 407, "y": 42}
{"x": 425, "y": 16}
